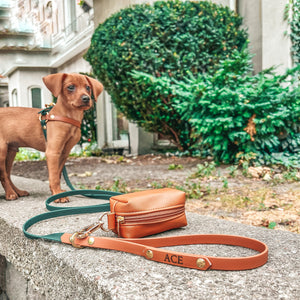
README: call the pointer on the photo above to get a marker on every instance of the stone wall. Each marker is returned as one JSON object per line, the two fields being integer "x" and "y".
{"x": 13, "y": 284}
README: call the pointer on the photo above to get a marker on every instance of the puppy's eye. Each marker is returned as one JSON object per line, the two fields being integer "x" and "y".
{"x": 88, "y": 88}
{"x": 71, "y": 88}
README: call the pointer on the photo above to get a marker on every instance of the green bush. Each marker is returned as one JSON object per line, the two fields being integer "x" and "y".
{"x": 170, "y": 38}
{"x": 235, "y": 114}
{"x": 233, "y": 111}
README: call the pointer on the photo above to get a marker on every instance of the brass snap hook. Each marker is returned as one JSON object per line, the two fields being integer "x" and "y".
{"x": 72, "y": 240}
{"x": 86, "y": 231}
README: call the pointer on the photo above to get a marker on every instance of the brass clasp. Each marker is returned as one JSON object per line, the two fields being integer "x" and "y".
{"x": 86, "y": 231}
{"x": 72, "y": 240}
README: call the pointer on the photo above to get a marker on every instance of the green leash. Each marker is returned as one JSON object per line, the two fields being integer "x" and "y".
{"x": 55, "y": 211}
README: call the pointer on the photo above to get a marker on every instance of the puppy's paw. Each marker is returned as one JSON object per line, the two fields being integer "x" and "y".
{"x": 11, "y": 196}
{"x": 22, "y": 193}
{"x": 62, "y": 200}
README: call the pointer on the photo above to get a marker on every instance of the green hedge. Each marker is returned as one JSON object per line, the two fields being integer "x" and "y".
{"x": 234, "y": 112}
{"x": 170, "y": 38}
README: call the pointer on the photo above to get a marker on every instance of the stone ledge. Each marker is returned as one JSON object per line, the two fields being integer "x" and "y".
{"x": 56, "y": 271}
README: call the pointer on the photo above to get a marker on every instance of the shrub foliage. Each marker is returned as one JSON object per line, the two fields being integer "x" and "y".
{"x": 233, "y": 112}
{"x": 169, "y": 39}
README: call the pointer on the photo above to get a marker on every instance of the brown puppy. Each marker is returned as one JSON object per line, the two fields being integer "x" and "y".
{"x": 20, "y": 127}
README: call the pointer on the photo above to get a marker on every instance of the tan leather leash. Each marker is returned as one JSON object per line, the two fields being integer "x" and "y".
{"x": 150, "y": 249}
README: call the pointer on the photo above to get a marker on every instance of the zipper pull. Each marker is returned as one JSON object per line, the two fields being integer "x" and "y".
{"x": 120, "y": 220}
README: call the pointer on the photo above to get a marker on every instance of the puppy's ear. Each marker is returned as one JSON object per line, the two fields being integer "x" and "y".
{"x": 54, "y": 83}
{"x": 97, "y": 87}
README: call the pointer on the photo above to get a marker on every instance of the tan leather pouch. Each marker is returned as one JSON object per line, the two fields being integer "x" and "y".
{"x": 148, "y": 212}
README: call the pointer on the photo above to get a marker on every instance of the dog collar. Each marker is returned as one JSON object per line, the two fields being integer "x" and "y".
{"x": 51, "y": 117}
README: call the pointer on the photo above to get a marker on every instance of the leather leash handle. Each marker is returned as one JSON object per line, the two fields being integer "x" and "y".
{"x": 149, "y": 248}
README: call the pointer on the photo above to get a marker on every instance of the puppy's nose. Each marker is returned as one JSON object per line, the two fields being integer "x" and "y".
{"x": 85, "y": 99}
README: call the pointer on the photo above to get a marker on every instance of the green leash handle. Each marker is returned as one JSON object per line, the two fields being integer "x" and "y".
{"x": 56, "y": 211}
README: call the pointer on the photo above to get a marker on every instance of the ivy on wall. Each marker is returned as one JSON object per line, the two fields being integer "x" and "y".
{"x": 292, "y": 15}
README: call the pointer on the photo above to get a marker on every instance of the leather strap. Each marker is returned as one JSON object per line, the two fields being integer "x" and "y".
{"x": 149, "y": 248}
{"x": 51, "y": 117}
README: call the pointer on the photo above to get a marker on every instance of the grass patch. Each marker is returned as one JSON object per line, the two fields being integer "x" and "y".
{"x": 29, "y": 154}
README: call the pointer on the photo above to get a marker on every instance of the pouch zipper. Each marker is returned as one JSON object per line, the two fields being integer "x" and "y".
{"x": 149, "y": 218}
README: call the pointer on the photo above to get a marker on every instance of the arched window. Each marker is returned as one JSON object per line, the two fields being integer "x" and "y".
{"x": 14, "y": 97}
{"x": 48, "y": 10}
{"x": 36, "y": 97}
